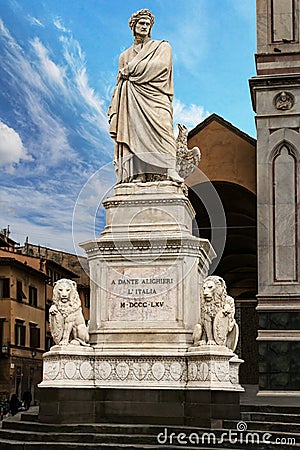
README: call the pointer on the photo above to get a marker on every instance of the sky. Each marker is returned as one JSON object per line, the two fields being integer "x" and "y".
{"x": 58, "y": 67}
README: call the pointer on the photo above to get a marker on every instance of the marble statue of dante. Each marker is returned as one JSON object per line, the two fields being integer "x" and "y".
{"x": 141, "y": 113}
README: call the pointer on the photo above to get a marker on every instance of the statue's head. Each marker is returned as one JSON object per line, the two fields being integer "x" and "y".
{"x": 283, "y": 96}
{"x": 214, "y": 289}
{"x": 65, "y": 291}
{"x": 140, "y": 15}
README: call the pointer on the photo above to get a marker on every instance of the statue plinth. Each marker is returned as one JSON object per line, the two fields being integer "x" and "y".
{"x": 213, "y": 367}
{"x": 146, "y": 271}
{"x": 143, "y": 268}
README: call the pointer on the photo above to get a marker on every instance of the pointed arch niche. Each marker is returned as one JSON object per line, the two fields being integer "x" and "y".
{"x": 284, "y": 202}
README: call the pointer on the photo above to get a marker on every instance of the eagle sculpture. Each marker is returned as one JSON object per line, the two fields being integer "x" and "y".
{"x": 187, "y": 159}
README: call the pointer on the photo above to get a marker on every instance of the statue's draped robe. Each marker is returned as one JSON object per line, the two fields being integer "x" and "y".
{"x": 141, "y": 113}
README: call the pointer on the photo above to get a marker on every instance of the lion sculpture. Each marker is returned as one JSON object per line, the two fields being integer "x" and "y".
{"x": 67, "y": 323}
{"x": 217, "y": 325}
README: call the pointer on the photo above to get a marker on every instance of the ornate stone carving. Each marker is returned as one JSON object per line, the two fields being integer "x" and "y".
{"x": 203, "y": 371}
{"x": 122, "y": 370}
{"x": 284, "y": 101}
{"x": 147, "y": 202}
{"x": 222, "y": 370}
{"x": 187, "y": 159}
{"x": 104, "y": 370}
{"x": 140, "y": 369}
{"x": 158, "y": 370}
{"x": 192, "y": 371}
{"x": 66, "y": 319}
{"x": 234, "y": 365}
{"x": 176, "y": 371}
{"x": 212, "y": 367}
{"x": 217, "y": 325}
{"x": 86, "y": 370}
{"x": 51, "y": 370}
{"x": 70, "y": 369}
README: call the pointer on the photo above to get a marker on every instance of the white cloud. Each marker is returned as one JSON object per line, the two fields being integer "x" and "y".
{"x": 4, "y": 30}
{"x": 35, "y": 21}
{"x": 53, "y": 72}
{"x": 42, "y": 79}
{"x": 16, "y": 64}
{"x": 38, "y": 81}
{"x": 190, "y": 115}
{"x": 39, "y": 215}
{"x": 58, "y": 23}
{"x": 89, "y": 213}
{"x": 52, "y": 136}
{"x": 12, "y": 149}
{"x": 75, "y": 59}
{"x": 87, "y": 92}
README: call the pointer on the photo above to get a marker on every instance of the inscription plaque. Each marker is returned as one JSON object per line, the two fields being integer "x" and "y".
{"x": 142, "y": 293}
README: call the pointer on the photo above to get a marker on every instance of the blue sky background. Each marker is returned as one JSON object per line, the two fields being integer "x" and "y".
{"x": 58, "y": 69}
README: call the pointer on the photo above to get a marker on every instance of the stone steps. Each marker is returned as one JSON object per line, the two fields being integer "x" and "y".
{"x": 267, "y": 428}
{"x": 19, "y": 445}
{"x": 271, "y": 417}
{"x": 26, "y": 435}
{"x": 282, "y": 427}
{"x": 281, "y": 422}
{"x": 29, "y": 417}
{"x": 95, "y": 438}
{"x": 270, "y": 409}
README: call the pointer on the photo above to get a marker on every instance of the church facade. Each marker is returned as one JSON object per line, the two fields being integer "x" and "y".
{"x": 258, "y": 184}
{"x": 275, "y": 95}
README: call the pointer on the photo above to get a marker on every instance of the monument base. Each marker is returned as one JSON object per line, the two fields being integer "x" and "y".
{"x": 209, "y": 367}
{"x": 146, "y": 270}
{"x": 201, "y": 408}
{"x": 85, "y": 385}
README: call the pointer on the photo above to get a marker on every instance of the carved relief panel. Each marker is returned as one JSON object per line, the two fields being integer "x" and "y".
{"x": 283, "y": 20}
{"x": 284, "y": 174}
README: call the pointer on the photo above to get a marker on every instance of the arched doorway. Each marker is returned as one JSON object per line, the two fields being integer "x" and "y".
{"x": 237, "y": 263}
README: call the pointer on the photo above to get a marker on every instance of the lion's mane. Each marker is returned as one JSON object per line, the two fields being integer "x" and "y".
{"x": 220, "y": 293}
{"x": 73, "y": 303}
{"x": 67, "y": 323}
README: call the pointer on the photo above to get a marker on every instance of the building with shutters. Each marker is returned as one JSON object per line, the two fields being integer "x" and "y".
{"x": 26, "y": 287}
{"x": 22, "y": 324}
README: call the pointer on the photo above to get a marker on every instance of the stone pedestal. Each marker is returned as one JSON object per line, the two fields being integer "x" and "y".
{"x": 210, "y": 368}
{"x": 201, "y": 408}
{"x": 213, "y": 367}
{"x": 146, "y": 270}
{"x": 85, "y": 385}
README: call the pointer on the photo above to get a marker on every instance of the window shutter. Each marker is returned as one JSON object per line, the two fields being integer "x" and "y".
{"x": 35, "y": 334}
{"x": 4, "y": 287}
{"x": 23, "y": 335}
